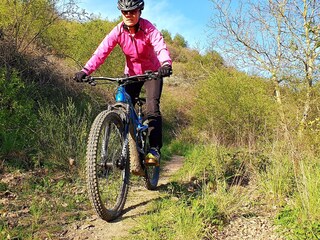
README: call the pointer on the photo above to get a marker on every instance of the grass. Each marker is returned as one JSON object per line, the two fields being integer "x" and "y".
{"x": 172, "y": 218}
{"x": 200, "y": 199}
{"x": 217, "y": 184}
{"x": 35, "y": 204}
{"x": 300, "y": 215}
{"x": 65, "y": 124}
{"x": 41, "y": 205}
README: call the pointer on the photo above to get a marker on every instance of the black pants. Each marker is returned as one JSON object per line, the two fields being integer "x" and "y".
{"x": 153, "y": 93}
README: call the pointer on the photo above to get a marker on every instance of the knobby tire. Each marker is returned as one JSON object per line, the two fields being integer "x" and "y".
{"x": 151, "y": 172}
{"x": 107, "y": 148}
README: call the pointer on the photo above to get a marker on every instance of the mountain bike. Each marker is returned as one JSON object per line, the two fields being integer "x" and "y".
{"x": 108, "y": 152}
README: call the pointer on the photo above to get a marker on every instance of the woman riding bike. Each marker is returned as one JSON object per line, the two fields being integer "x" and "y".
{"x": 144, "y": 49}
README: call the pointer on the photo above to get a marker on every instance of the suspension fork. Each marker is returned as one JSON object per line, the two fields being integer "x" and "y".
{"x": 125, "y": 116}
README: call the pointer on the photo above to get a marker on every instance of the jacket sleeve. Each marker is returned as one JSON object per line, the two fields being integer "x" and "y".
{"x": 160, "y": 46}
{"x": 102, "y": 52}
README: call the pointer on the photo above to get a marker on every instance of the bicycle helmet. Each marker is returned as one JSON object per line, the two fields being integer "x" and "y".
{"x": 129, "y": 5}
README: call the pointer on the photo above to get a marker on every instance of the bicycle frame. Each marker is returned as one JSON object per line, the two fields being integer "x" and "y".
{"x": 122, "y": 119}
{"x": 122, "y": 96}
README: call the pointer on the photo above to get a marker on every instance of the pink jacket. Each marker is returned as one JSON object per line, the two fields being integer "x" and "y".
{"x": 146, "y": 50}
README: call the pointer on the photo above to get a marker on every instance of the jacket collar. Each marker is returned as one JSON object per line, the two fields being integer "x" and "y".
{"x": 137, "y": 26}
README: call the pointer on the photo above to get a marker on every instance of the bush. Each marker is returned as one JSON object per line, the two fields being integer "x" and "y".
{"x": 17, "y": 114}
{"x": 62, "y": 134}
{"x": 233, "y": 108}
{"x": 79, "y": 41}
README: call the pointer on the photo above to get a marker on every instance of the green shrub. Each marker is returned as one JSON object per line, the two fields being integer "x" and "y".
{"x": 62, "y": 134}
{"x": 233, "y": 108}
{"x": 17, "y": 115}
{"x": 312, "y": 136}
{"x": 80, "y": 40}
{"x": 175, "y": 111}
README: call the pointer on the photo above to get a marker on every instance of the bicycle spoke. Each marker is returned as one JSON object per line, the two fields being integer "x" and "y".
{"x": 107, "y": 181}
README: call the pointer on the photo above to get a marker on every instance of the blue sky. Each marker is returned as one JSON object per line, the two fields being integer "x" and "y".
{"x": 188, "y": 18}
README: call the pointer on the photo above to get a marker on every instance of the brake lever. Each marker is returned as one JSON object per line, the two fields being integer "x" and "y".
{"x": 151, "y": 74}
{"x": 90, "y": 81}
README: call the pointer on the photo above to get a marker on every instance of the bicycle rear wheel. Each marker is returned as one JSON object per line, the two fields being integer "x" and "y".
{"x": 107, "y": 165}
{"x": 152, "y": 173}
{"x": 152, "y": 177}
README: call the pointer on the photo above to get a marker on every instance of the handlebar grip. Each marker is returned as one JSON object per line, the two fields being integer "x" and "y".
{"x": 86, "y": 79}
{"x": 89, "y": 80}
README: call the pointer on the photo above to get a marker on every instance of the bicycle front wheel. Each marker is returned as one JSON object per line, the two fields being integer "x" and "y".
{"x": 107, "y": 165}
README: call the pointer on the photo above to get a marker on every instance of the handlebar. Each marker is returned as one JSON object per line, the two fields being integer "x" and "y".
{"x": 148, "y": 75}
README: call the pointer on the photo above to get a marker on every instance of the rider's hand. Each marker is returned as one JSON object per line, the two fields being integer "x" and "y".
{"x": 165, "y": 71}
{"x": 79, "y": 76}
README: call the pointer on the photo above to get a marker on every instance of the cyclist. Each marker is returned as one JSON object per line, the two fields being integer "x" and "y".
{"x": 144, "y": 49}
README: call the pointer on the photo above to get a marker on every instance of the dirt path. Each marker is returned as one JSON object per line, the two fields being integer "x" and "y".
{"x": 138, "y": 201}
{"x": 256, "y": 227}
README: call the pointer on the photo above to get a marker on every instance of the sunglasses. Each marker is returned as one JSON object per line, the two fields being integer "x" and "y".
{"x": 132, "y": 12}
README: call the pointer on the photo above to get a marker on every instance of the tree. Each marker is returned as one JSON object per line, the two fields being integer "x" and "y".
{"x": 276, "y": 38}
{"x": 302, "y": 20}
{"x": 179, "y": 41}
{"x": 24, "y": 22}
{"x": 167, "y": 36}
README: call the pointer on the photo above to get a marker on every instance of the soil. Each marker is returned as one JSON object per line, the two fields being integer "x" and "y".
{"x": 251, "y": 228}
{"x": 139, "y": 198}
{"x": 254, "y": 227}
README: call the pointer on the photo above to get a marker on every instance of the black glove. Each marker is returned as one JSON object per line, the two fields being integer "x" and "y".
{"x": 79, "y": 76}
{"x": 165, "y": 71}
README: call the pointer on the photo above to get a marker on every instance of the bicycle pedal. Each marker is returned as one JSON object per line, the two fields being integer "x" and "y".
{"x": 151, "y": 162}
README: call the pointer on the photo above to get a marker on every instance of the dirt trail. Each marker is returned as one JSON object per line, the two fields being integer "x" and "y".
{"x": 256, "y": 227}
{"x": 138, "y": 201}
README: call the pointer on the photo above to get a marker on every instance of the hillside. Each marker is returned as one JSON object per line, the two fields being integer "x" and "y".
{"x": 250, "y": 159}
